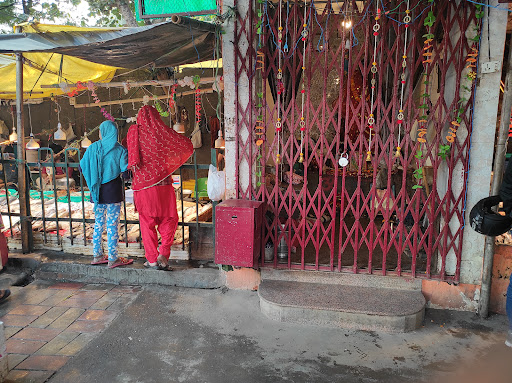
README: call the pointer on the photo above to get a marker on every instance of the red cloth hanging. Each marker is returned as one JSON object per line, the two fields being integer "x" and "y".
{"x": 155, "y": 151}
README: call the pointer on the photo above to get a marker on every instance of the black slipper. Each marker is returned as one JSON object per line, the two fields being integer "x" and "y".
{"x": 148, "y": 266}
{"x": 4, "y": 294}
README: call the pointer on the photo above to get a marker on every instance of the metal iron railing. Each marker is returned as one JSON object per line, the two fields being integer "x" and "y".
{"x": 65, "y": 202}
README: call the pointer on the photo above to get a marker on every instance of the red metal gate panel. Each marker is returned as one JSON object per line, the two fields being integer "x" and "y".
{"x": 367, "y": 216}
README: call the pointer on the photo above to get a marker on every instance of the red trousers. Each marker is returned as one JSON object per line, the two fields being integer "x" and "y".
{"x": 148, "y": 229}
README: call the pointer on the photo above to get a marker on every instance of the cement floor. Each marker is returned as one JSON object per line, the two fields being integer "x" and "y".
{"x": 171, "y": 334}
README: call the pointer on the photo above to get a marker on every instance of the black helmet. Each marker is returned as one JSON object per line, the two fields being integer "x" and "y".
{"x": 485, "y": 221}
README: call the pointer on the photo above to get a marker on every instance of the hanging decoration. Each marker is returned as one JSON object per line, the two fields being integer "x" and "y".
{"x": 373, "y": 69}
{"x": 466, "y": 85}
{"x": 59, "y": 135}
{"x": 159, "y": 108}
{"x": 400, "y": 117}
{"x": 86, "y": 142}
{"x": 279, "y": 82}
{"x": 302, "y": 122}
{"x": 429, "y": 21}
{"x": 13, "y": 137}
{"x": 260, "y": 83}
{"x": 31, "y": 144}
{"x": 172, "y": 98}
{"x": 197, "y": 80}
{"x": 107, "y": 115}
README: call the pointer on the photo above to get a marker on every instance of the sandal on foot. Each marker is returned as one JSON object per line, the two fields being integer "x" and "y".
{"x": 101, "y": 260}
{"x": 4, "y": 294}
{"x": 163, "y": 263}
{"x": 120, "y": 261}
{"x": 147, "y": 265}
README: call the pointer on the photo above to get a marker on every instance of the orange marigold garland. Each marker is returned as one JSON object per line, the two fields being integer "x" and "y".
{"x": 467, "y": 86}
{"x": 423, "y": 118}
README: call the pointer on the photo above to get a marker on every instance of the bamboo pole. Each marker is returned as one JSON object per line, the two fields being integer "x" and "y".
{"x": 72, "y": 100}
{"x": 26, "y": 225}
{"x": 163, "y": 83}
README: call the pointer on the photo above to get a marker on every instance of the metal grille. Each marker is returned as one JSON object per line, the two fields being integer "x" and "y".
{"x": 365, "y": 217}
{"x": 62, "y": 214}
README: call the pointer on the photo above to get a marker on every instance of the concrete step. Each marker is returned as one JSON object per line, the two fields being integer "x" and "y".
{"x": 334, "y": 278}
{"x": 342, "y": 305}
{"x": 53, "y": 265}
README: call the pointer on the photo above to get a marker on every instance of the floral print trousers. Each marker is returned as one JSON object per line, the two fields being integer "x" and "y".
{"x": 106, "y": 214}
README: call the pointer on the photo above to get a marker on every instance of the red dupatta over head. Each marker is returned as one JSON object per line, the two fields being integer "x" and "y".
{"x": 155, "y": 151}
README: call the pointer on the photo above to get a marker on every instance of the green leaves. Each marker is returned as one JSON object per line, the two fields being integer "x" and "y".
{"x": 418, "y": 154}
{"x": 429, "y": 20}
{"x": 444, "y": 151}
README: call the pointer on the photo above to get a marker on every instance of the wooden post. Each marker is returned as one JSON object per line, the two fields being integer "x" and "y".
{"x": 26, "y": 224}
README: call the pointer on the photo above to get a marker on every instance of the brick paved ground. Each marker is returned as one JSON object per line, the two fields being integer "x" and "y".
{"x": 46, "y": 323}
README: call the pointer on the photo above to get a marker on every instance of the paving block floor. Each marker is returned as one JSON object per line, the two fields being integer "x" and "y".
{"x": 47, "y": 323}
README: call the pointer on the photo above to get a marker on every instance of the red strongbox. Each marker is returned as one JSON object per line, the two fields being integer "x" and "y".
{"x": 238, "y": 230}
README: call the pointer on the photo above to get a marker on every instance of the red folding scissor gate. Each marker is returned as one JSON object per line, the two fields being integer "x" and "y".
{"x": 366, "y": 217}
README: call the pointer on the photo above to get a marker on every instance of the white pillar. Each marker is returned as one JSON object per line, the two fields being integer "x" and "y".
{"x": 231, "y": 88}
{"x": 484, "y": 132}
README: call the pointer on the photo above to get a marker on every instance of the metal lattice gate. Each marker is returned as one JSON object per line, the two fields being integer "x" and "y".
{"x": 367, "y": 216}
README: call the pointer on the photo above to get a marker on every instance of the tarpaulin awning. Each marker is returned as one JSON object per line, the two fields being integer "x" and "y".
{"x": 173, "y": 43}
{"x": 49, "y": 68}
{"x": 55, "y": 54}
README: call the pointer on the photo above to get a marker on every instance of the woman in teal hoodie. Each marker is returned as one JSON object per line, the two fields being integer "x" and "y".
{"x": 102, "y": 165}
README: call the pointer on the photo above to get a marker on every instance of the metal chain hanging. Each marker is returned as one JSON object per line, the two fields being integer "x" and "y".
{"x": 400, "y": 116}
{"x": 371, "y": 119}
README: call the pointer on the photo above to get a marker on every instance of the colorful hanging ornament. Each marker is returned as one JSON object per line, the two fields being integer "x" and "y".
{"x": 172, "y": 97}
{"x": 198, "y": 105}
{"x": 423, "y": 115}
{"x": 259, "y": 129}
{"x": 467, "y": 85}
{"x": 159, "y": 108}
{"x": 427, "y": 59}
{"x": 400, "y": 116}
{"x": 302, "y": 122}
{"x": 107, "y": 115}
{"x": 279, "y": 82}
{"x": 373, "y": 69}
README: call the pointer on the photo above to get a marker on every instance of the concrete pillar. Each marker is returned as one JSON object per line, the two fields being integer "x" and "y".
{"x": 484, "y": 132}
{"x": 231, "y": 88}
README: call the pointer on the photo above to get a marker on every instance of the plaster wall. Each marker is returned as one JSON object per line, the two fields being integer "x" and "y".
{"x": 483, "y": 137}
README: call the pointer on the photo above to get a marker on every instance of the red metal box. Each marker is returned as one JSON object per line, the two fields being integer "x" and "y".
{"x": 238, "y": 231}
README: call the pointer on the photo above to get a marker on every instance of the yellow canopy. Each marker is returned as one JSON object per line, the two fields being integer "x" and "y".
{"x": 57, "y": 68}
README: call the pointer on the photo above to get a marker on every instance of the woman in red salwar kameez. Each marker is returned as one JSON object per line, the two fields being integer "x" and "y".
{"x": 155, "y": 151}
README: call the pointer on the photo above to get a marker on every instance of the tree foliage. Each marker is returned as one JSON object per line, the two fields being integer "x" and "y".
{"x": 102, "y": 13}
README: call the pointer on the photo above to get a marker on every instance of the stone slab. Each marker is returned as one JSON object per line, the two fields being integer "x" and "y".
{"x": 364, "y": 280}
{"x": 346, "y": 306}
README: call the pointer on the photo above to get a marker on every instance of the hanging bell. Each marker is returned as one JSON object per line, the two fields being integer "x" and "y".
{"x": 301, "y": 158}
{"x": 368, "y": 156}
{"x": 398, "y": 151}
{"x": 278, "y": 158}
